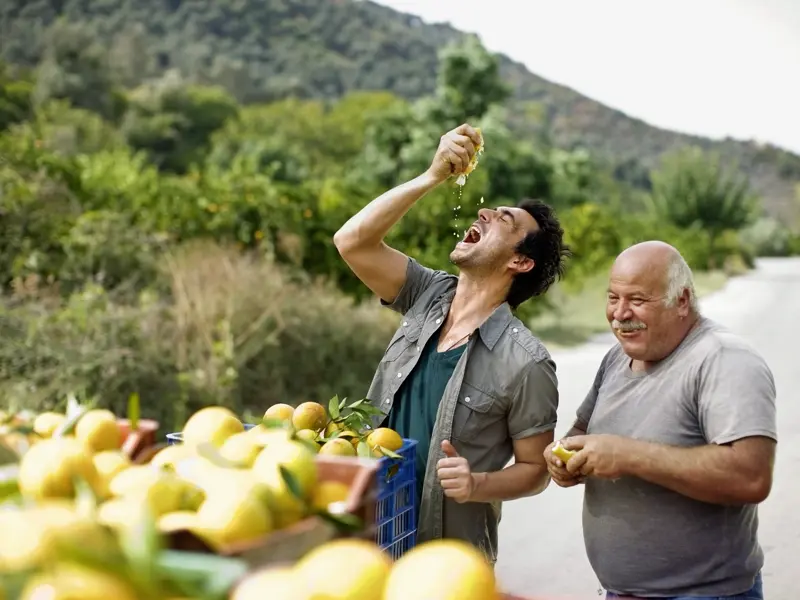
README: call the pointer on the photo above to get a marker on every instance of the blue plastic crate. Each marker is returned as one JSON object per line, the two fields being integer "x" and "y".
{"x": 396, "y": 507}
{"x": 177, "y": 437}
{"x": 396, "y": 504}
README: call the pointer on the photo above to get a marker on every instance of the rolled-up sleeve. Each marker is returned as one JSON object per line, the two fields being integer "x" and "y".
{"x": 420, "y": 282}
{"x": 534, "y": 408}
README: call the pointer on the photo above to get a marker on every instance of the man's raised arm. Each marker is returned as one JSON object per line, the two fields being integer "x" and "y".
{"x": 360, "y": 241}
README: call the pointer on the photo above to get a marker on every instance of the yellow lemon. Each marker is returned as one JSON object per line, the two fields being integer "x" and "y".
{"x": 98, "y": 430}
{"x": 461, "y": 573}
{"x": 275, "y": 582}
{"x": 383, "y": 437}
{"x": 346, "y": 569}
{"x": 338, "y": 447}
{"x": 329, "y": 492}
{"x": 108, "y": 464}
{"x": 172, "y": 455}
{"x": 48, "y": 468}
{"x": 233, "y": 514}
{"x": 292, "y": 455}
{"x": 162, "y": 491}
{"x": 213, "y": 424}
{"x": 241, "y": 449}
{"x": 32, "y": 535}
{"x": 177, "y": 520}
{"x": 280, "y": 412}
{"x": 47, "y": 422}
{"x": 310, "y": 415}
{"x": 562, "y": 452}
{"x": 74, "y": 582}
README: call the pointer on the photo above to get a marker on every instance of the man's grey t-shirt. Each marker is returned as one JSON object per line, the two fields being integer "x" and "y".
{"x": 644, "y": 539}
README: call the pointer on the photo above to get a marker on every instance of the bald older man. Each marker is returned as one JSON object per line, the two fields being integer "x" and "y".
{"x": 675, "y": 443}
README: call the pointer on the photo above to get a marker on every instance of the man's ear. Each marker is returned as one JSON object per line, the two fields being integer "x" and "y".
{"x": 521, "y": 263}
{"x": 684, "y": 303}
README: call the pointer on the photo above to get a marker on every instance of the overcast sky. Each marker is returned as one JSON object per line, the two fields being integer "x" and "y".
{"x": 712, "y": 67}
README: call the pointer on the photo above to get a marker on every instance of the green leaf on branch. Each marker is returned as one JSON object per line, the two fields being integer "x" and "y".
{"x": 75, "y": 412}
{"x": 291, "y": 483}
{"x": 133, "y": 411}
{"x": 333, "y": 407}
{"x": 141, "y": 545}
{"x": 9, "y": 485}
{"x": 275, "y": 424}
{"x": 345, "y": 522}
{"x": 363, "y": 450}
{"x": 194, "y": 574}
{"x": 389, "y": 453}
{"x": 368, "y": 409}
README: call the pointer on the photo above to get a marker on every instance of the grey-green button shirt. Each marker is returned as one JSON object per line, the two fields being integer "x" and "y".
{"x": 504, "y": 388}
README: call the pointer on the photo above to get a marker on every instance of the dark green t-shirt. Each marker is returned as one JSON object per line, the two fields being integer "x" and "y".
{"x": 413, "y": 413}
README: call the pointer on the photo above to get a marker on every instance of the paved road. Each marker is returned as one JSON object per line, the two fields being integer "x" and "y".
{"x": 541, "y": 544}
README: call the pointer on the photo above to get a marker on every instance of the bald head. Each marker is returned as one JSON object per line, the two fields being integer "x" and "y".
{"x": 657, "y": 264}
{"x": 651, "y": 300}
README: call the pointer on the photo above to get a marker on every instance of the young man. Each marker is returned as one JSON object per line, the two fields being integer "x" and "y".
{"x": 462, "y": 375}
{"x": 675, "y": 443}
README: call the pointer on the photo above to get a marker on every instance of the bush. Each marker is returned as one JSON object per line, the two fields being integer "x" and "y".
{"x": 768, "y": 237}
{"x": 231, "y": 332}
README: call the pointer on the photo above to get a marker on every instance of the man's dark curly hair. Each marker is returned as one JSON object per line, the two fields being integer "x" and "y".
{"x": 547, "y": 250}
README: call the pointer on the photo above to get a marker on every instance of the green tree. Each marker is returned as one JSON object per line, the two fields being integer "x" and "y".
{"x": 15, "y": 97}
{"x": 693, "y": 188}
{"x": 173, "y": 121}
{"x": 75, "y": 67}
{"x": 469, "y": 82}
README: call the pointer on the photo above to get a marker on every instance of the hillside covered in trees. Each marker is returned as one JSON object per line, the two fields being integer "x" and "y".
{"x": 164, "y": 233}
{"x": 265, "y": 50}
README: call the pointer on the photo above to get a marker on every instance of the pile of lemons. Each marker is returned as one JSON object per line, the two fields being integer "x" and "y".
{"x": 358, "y": 570}
{"x": 226, "y": 485}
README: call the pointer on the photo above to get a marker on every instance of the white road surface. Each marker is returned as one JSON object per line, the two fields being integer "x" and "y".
{"x": 541, "y": 543}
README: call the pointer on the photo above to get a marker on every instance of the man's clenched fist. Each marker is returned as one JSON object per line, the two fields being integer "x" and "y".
{"x": 456, "y": 149}
{"x": 455, "y": 475}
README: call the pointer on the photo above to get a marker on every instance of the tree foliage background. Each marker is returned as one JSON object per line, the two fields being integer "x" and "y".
{"x": 163, "y": 235}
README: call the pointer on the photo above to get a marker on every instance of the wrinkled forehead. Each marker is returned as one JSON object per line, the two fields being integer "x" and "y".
{"x": 637, "y": 276}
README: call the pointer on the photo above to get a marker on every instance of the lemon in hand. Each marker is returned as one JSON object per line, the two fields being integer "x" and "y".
{"x": 562, "y": 452}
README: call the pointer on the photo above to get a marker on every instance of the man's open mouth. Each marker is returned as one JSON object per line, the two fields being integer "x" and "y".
{"x": 473, "y": 235}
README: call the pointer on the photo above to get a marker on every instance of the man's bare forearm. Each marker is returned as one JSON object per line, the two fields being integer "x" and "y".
{"x": 710, "y": 473}
{"x": 515, "y": 481}
{"x": 370, "y": 225}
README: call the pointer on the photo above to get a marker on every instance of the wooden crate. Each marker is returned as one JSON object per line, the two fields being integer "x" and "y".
{"x": 290, "y": 544}
{"x": 138, "y": 445}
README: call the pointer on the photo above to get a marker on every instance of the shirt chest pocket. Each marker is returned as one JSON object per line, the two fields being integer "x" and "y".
{"x": 405, "y": 338}
{"x": 475, "y": 411}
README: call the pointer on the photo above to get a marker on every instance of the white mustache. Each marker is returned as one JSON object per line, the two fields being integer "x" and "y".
{"x": 628, "y": 325}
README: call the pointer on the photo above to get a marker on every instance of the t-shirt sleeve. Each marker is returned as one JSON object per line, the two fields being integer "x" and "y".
{"x": 585, "y": 410}
{"x": 534, "y": 408}
{"x": 419, "y": 280}
{"x": 736, "y": 396}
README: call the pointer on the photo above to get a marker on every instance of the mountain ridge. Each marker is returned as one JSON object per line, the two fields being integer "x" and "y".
{"x": 326, "y": 48}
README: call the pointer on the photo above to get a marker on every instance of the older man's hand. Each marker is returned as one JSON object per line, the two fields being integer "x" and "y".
{"x": 455, "y": 475}
{"x": 597, "y": 455}
{"x": 558, "y": 470}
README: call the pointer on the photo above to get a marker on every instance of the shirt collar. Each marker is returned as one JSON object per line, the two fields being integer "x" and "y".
{"x": 492, "y": 328}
